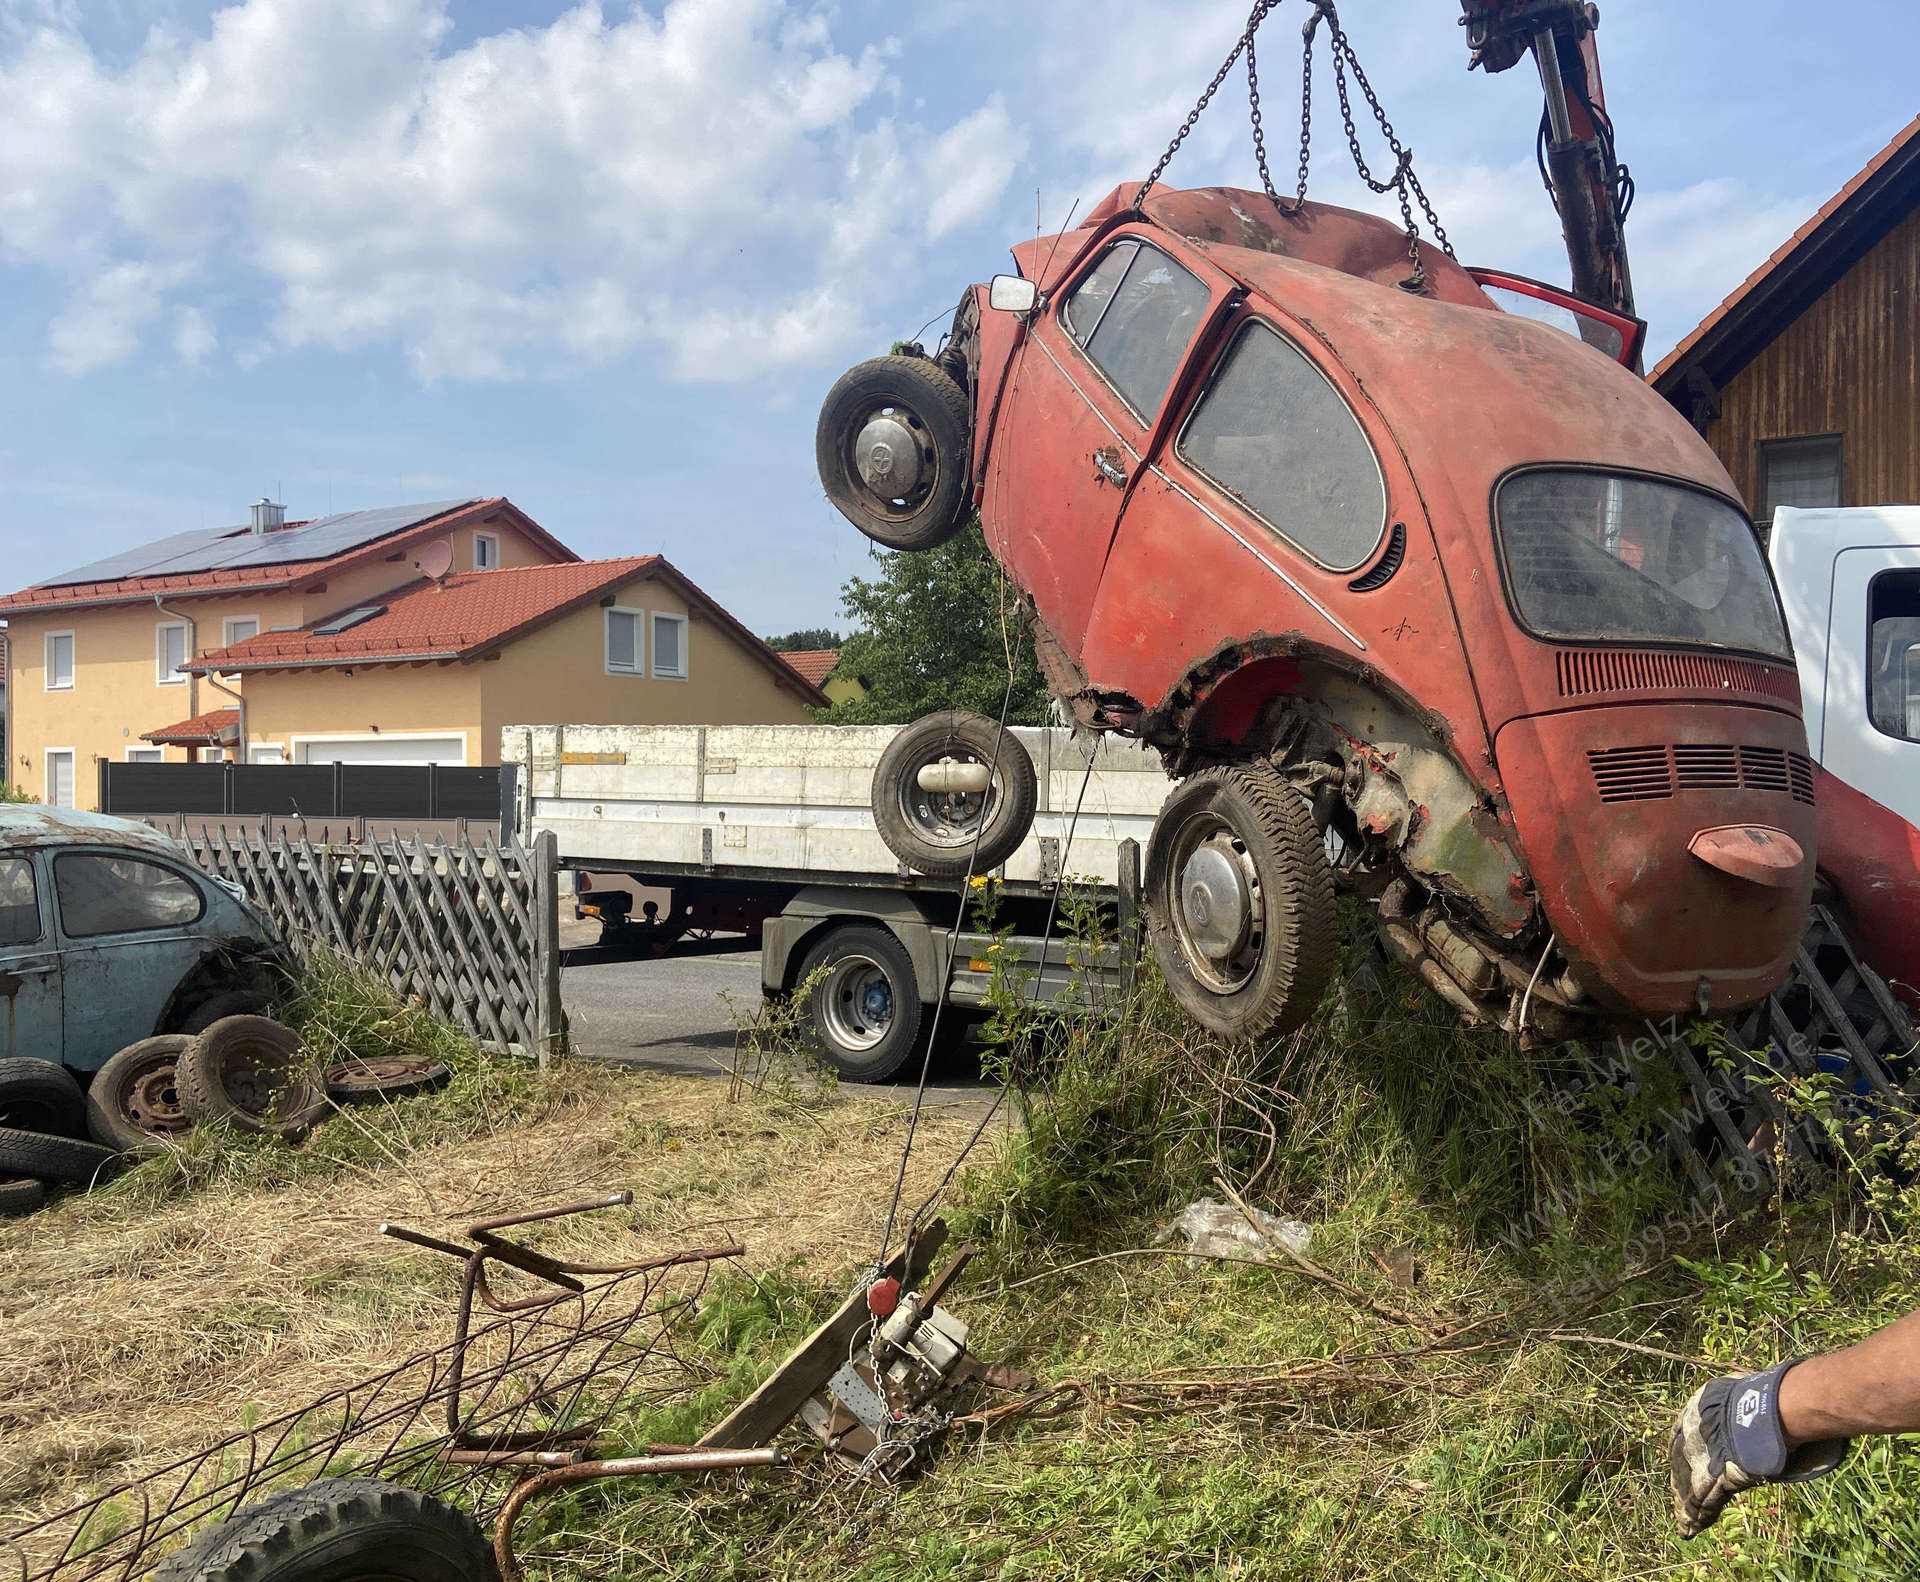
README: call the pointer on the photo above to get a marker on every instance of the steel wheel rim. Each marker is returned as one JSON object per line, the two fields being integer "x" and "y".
{"x": 856, "y": 437}
{"x": 1206, "y": 842}
{"x": 149, "y": 1099}
{"x": 948, "y": 819}
{"x": 856, "y": 1003}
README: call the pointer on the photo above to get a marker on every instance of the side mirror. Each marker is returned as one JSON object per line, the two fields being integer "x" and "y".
{"x": 1012, "y": 294}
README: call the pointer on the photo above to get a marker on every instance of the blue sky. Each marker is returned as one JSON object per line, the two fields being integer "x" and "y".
{"x": 606, "y": 260}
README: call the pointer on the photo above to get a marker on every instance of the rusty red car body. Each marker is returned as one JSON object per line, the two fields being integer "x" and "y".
{"x": 1525, "y": 806}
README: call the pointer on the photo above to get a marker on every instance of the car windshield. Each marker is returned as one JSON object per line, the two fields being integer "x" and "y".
{"x": 1603, "y": 558}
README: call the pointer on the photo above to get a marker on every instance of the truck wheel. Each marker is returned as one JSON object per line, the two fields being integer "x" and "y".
{"x": 865, "y": 1005}
{"x": 894, "y": 447}
{"x": 39, "y": 1096}
{"x": 134, "y": 1103}
{"x": 1240, "y": 903}
{"x": 933, "y": 831}
{"x": 339, "y": 1530}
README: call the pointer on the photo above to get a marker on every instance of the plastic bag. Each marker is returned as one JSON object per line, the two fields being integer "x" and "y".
{"x": 1221, "y": 1230}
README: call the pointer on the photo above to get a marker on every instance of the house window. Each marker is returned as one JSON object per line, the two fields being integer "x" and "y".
{"x": 60, "y": 777}
{"x": 670, "y": 646}
{"x": 238, "y": 628}
{"x": 1802, "y": 472}
{"x": 267, "y": 753}
{"x": 169, "y": 653}
{"x": 213, "y": 755}
{"x": 146, "y": 755}
{"x": 59, "y": 661}
{"x": 623, "y": 642}
{"x": 486, "y": 551}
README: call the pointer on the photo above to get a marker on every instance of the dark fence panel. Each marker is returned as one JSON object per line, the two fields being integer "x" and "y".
{"x": 286, "y": 790}
{"x": 163, "y": 788}
{"x": 312, "y": 791}
{"x": 387, "y": 790}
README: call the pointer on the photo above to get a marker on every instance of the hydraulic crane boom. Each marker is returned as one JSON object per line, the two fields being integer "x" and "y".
{"x": 1590, "y": 187}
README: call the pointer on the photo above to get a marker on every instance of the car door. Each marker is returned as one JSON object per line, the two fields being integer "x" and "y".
{"x": 1091, "y": 382}
{"x": 127, "y": 920}
{"x": 1870, "y": 734}
{"x": 30, "y": 990}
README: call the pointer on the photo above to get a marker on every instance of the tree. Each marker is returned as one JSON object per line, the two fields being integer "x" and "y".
{"x": 809, "y": 640}
{"x": 934, "y": 631}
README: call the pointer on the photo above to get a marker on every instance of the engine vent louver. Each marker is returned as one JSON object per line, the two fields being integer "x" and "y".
{"x": 1582, "y": 672}
{"x": 1644, "y": 774}
{"x": 1382, "y": 572}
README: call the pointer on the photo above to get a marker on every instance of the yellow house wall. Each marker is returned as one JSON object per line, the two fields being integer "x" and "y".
{"x": 284, "y": 706}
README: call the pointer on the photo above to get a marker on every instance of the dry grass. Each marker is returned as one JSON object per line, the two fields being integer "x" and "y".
{"x": 137, "y": 1323}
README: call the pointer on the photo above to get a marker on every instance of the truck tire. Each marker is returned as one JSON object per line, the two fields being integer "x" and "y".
{"x": 249, "y": 1071}
{"x": 894, "y": 449}
{"x": 39, "y": 1096}
{"x": 21, "y": 1197}
{"x": 339, "y": 1530}
{"x": 865, "y": 1005}
{"x": 134, "y": 1103}
{"x": 935, "y": 832}
{"x": 1240, "y": 902}
{"x": 65, "y": 1159}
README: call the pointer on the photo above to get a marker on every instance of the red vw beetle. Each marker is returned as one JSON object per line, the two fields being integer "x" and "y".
{"x": 1415, "y": 593}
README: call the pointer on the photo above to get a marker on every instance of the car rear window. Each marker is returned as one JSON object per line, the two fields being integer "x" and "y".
{"x": 102, "y": 893}
{"x": 19, "y": 902}
{"x": 1135, "y": 315}
{"x": 1275, "y": 435}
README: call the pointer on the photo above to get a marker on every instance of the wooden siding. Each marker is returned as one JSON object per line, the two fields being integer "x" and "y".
{"x": 1849, "y": 365}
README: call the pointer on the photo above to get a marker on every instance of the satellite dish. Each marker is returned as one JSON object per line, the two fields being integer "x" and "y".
{"x": 436, "y": 560}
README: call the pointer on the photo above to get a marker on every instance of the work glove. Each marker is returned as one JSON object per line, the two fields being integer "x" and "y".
{"x": 1729, "y": 1438}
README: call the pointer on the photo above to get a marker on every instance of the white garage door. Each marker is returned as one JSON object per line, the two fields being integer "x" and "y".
{"x": 386, "y": 750}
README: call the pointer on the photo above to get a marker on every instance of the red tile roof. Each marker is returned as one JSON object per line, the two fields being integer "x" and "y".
{"x": 203, "y": 730}
{"x": 1785, "y": 251}
{"x": 201, "y": 584}
{"x": 815, "y": 664}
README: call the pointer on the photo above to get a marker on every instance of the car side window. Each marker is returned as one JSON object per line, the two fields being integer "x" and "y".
{"x": 103, "y": 893}
{"x": 19, "y": 902}
{"x": 1134, "y": 316}
{"x": 1279, "y": 438}
{"x": 1893, "y": 636}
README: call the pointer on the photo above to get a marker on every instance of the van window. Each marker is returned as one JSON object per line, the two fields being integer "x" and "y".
{"x": 19, "y": 902}
{"x": 1893, "y": 654}
{"x": 1275, "y": 435}
{"x": 103, "y": 893}
{"x": 1135, "y": 315}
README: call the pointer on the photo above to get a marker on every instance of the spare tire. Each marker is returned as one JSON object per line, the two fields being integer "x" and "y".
{"x": 894, "y": 449}
{"x": 335, "y": 1530}
{"x": 134, "y": 1104}
{"x": 250, "y": 1072}
{"x": 47, "y": 1158}
{"x": 949, "y": 834}
{"x": 22, "y": 1196}
{"x": 39, "y": 1096}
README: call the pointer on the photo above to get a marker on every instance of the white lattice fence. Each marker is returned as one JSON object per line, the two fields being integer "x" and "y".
{"x": 469, "y": 932}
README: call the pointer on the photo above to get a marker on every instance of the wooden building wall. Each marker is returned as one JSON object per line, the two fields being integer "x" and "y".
{"x": 1849, "y": 365}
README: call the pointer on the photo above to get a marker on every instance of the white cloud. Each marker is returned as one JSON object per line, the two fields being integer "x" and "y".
{"x": 193, "y": 336}
{"x": 717, "y": 178}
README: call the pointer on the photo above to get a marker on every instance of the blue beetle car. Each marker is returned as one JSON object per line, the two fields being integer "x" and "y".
{"x": 110, "y": 933}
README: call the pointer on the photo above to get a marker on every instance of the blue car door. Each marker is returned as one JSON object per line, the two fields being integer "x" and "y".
{"x": 30, "y": 1019}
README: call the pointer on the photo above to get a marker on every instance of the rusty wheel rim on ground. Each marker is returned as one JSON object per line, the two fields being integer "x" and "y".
{"x": 149, "y": 1097}
{"x": 385, "y": 1076}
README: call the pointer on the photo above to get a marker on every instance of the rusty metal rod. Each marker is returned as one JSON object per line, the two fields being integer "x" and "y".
{"x": 620, "y": 1467}
{"x": 481, "y": 1229}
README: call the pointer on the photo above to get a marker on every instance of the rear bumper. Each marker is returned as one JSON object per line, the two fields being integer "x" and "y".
{"x": 1643, "y": 920}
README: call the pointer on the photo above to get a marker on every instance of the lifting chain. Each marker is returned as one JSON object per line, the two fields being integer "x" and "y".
{"x": 1403, "y": 183}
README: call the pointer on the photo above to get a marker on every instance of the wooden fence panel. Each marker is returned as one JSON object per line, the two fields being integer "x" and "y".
{"x": 468, "y": 932}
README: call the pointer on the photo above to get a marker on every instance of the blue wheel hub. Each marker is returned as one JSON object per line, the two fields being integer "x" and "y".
{"x": 877, "y": 1002}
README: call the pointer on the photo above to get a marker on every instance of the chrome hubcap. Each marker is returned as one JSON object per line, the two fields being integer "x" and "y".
{"x": 1218, "y": 908}
{"x": 1214, "y": 899}
{"x": 887, "y": 454}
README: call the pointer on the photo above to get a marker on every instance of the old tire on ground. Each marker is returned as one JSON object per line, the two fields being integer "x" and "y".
{"x": 22, "y": 1196}
{"x": 384, "y": 1077}
{"x": 894, "y": 448}
{"x": 218, "y": 1007}
{"x": 250, "y": 1072}
{"x": 1240, "y": 902}
{"x": 134, "y": 1104}
{"x": 934, "y": 832}
{"x": 45, "y": 1158}
{"x": 865, "y": 1009}
{"x": 39, "y": 1096}
{"x": 339, "y": 1530}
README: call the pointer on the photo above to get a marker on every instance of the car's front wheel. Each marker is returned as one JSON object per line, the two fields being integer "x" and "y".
{"x": 894, "y": 450}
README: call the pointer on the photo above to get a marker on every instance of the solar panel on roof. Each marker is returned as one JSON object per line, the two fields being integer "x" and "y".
{"x": 352, "y": 618}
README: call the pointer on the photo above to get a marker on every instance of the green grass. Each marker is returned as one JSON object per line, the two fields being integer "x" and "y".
{"x": 1507, "y": 1429}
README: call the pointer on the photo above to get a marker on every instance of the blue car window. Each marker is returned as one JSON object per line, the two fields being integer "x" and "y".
{"x": 116, "y": 894}
{"x": 19, "y": 902}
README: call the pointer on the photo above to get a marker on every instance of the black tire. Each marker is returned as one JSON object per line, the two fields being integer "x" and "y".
{"x": 865, "y": 1009}
{"x": 1249, "y": 962}
{"x": 339, "y": 1530}
{"x": 134, "y": 1104}
{"x": 249, "y": 1071}
{"x": 935, "y": 832}
{"x": 390, "y": 1077}
{"x": 64, "y": 1159}
{"x": 21, "y": 1197}
{"x": 896, "y": 402}
{"x": 39, "y": 1096}
{"x": 218, "y": 1007}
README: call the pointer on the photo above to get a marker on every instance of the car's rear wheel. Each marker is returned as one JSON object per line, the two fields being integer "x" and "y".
{"x": 1240, "y": 902}
{"x": 894, "y": 450}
